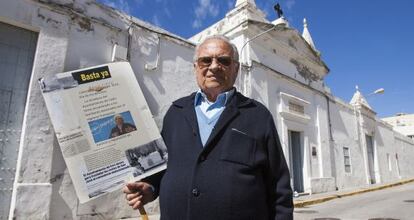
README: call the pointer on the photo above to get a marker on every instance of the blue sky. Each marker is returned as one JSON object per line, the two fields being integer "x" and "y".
{"x": 366, "y": 43}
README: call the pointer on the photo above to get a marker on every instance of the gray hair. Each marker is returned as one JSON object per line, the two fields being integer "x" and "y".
{"x": 118, "y": 116}
{"x": 218, "y": 37}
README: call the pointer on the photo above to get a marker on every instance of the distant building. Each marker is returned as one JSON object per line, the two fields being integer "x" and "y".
{"x": 403, "y": 123}
{"x": 329, "y": 144}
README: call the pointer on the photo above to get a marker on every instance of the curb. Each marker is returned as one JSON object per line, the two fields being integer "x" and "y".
{"x": 301, "y": 204}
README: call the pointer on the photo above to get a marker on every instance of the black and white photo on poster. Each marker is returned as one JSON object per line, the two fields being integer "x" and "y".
{"x": 146, "y": 157}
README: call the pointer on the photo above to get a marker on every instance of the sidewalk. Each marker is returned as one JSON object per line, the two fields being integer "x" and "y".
{"x": 306, "y": 200}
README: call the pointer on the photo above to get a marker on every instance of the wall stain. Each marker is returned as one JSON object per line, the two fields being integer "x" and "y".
{"x": 54, "y": 23}
{"x": 56, "y": 177}
{"x": 304, "y": 71}
{"x": 85, "y": 24}
{"x": 291, "y": 43}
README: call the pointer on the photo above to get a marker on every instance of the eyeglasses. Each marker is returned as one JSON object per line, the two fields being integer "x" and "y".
{"x": 206, "y": 61}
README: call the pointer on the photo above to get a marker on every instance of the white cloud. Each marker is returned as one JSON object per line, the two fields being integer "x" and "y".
{"x": 156, "y": 20}
{"x": 167, "y": 11}
{"x": 123, "y": 5}
{"x": 205, "y": 9}
{"x": 290, "y": 4}
{"x": 196, "y": 24}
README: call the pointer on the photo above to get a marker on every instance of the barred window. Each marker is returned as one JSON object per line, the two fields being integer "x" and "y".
{"x": 347, "y": 160}
{"x": 296, "y": 108}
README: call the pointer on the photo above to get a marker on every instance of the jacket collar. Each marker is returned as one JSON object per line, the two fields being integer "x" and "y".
{"x": 230, "y": 112}
{"x": 237, "y": 100}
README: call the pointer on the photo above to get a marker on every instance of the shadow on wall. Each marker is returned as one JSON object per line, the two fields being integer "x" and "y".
{"x": 60, "y": 208}
{"x": 170, "y": 78}
{"x": 65, "y": 204}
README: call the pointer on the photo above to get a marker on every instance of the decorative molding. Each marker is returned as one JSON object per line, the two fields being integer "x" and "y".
{"x": 304, "y": 119}
{"x": 294, "y": 98}
{"x": 286, "y": 113}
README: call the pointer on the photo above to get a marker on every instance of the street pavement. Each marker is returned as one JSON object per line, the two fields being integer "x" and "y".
{"x": 396, "y": 202}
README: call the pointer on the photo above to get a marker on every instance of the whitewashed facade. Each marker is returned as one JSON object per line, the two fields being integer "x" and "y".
{"x": 324, "y": 139}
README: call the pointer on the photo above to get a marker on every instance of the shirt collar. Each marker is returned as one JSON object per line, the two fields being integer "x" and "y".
{"x": 221, "y": 100}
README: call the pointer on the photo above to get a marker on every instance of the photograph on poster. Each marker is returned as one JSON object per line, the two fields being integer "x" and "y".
{"x": 112, "y": 126}
{"x": 146, "y": 157}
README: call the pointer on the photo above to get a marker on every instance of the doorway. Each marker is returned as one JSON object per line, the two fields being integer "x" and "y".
{"x": 296, "y": 160}
{"x": 17, "y": 49}
{"x": 371, "y": 159}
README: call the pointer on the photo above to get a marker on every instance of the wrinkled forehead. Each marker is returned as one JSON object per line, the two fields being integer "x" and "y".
{"x": 214, "y": 47}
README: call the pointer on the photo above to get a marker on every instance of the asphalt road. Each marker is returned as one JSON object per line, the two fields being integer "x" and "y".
{"x": 387, "y": 204}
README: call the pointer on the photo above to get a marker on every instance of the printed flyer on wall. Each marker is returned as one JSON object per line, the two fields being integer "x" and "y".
{"x": 104, "y": 128}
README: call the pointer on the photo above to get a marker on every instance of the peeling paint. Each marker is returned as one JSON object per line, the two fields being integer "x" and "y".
{"x": 48, "y": 19}
{"x": 304, "y": 71}
{"x": 84, "y": 24}
{"x": 41, "y": 16}
{"x": 45, "y": 130}
{"x": 291, "y": 43}
{"x": 56, "y": 177}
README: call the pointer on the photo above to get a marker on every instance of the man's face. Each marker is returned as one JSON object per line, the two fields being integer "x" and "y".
{"x": 216, "y": 71}
{"x": 119, "y": 121}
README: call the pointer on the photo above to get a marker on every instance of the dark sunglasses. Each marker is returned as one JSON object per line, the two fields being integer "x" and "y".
{"x": 222, "y": 60}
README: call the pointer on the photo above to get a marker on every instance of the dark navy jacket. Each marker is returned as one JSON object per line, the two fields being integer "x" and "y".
{"x": 240, "y": 174}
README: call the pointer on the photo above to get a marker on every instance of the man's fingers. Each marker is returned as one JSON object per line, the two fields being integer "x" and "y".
{"x": 131, "y": 196}
{"x": 137, "y": 194}
{"x": 137, "y": 205}
{"x": 126, "y": 190}
{"x": 133, "y": 201}
{"x": 133, "y": 187}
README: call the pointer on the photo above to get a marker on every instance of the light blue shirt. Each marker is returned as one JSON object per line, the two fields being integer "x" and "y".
{"x": 208, "y": 112}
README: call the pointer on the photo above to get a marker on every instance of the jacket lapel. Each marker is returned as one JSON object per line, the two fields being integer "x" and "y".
{"x": 230, "y": 112}
{"x": 187, "y": 105}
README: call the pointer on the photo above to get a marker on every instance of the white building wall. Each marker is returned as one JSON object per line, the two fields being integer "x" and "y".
{"x": 78, "y": 34}
{"x": 275, "y": 91}
{"x": 386, "y": 151}
{"x": 276, "y": 54}
{"x": 405, "y": 151}
{"x": 325, "y": 158}
{"x": 349, "y": 130}
{"x": 346, "y": 134}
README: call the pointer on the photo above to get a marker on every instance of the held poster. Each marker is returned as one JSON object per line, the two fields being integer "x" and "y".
{"x": 104, "y": 128}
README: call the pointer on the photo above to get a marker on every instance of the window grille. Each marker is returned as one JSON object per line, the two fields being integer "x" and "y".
{"x": 347, "y": 160}
{"x": 293, "y": 107}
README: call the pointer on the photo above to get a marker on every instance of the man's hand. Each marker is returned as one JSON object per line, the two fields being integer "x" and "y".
{"x": 138, "y": 194}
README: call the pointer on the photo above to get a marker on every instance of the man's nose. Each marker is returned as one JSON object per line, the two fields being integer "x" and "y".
{"x": 214, "y": 64}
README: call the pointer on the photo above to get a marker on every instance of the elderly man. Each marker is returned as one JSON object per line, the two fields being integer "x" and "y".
{"x": 225, "y": 157}
{"x": 121, "y": 127}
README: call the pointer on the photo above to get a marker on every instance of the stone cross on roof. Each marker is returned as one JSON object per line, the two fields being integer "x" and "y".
{"x": 278, "y": 10}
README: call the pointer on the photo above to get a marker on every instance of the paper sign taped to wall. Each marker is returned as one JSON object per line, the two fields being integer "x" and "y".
{"x": 104, "y": 127}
